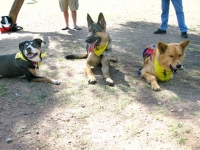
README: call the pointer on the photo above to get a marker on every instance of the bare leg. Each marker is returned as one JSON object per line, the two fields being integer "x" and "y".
{"x": 74, "y": 17}
{"x": 66, "y": 16}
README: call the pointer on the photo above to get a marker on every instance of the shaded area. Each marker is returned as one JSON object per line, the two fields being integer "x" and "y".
{"x": 31, "y": 104}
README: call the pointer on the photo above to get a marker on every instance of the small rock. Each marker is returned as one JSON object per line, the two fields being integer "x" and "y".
{"x": 37, "y": 132}
{"x": 159, "y": 103}
{"x": 180, "y": 109}
{"x": 28, "y": 132}
{"x": 24, "y": 113}
{"x": 8, "y": 140}
{"x": 83, "y": 105}
{"x": 17, "y": 94}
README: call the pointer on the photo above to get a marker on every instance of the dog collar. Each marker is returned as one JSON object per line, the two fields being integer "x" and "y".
{"x": 161, "y": 73}
{"x": 20, "y": 56}
{"x": 99, "y": 50}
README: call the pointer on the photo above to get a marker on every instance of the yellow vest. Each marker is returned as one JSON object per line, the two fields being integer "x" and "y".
{"x": 161, "y": 73}
{"x": 19, "y": 55}
{"x": 100, "y": 49}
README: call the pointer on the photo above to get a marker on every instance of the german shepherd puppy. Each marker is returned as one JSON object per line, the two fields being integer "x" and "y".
{"x": 160, "y": 63}
{"x": 98, "y": 49}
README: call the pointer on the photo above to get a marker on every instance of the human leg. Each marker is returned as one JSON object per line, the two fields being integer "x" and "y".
{"x": 180, "y": 15}
{"x": 165, "y": 14}
{"x": 164, "y": 17}
{"x": 64, "y": 9}
{"x": 73, "y": 4}
{"x": 73, "y": 12}
{"x": 66, "y": 16}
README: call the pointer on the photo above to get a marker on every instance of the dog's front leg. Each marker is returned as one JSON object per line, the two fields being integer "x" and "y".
{"x": 29, "y": 73}
{"x": 152, "y": 80}
{"x": 90, "y": 74}
{"x": 105, "y": 70}
{"x": 45, "y": 79}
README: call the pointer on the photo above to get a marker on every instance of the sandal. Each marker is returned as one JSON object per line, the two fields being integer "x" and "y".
{"x": 66, "y": 28}
{"x": 77, "y": 28}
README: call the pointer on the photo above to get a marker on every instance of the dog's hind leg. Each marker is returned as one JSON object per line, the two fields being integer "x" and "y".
{"x": 105, "y": 70}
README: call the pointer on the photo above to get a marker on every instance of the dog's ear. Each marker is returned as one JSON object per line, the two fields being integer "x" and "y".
{"x": 101, "y": 21}
{"x": 184, "y": 44}
{"x": 21, "y": 46}
{"x": 162, "y": 47}
{"x": 89, "y": 20}
{"x": 39, "y": 41}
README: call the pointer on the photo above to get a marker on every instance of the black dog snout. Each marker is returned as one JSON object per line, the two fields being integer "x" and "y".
{"x": 88, "y": 40}
{"x": 178, "y": 66}
{"x": 92, "y": 39}
{"x": 28, "y": 49}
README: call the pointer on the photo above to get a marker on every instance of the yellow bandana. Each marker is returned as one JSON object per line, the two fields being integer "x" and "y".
{"x": 161, "y": 73}
{"x": 100, "y": 49}
{"x": 19, "y": 55}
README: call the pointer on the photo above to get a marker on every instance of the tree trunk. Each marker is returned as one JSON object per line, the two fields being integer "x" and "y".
{"x": 17, "y": 4}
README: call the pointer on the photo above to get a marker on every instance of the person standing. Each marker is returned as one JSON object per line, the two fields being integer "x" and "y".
{"x": 73, "y": 5}
{"x": 179, "y": 14}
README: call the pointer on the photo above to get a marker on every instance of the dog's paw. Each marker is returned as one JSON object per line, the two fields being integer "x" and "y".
{"x": 92, "y": 80}
{"x": 109, "y": 82}
{"x": 155, "y": 88}
{"x": 56, "y": 82}
{"x": 113, "y": 59}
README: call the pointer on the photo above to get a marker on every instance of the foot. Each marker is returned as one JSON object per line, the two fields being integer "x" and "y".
{"x": 66, "y": 28}
{"x": 159, "y": 31}
{"x": 77, "y": 28}
{"x": 184, "y": 35}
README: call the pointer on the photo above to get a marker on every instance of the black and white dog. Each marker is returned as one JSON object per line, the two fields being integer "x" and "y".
{"x": 25, "y": 62}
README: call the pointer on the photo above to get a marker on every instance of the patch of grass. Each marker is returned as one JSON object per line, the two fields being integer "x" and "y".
{"x": 161, "y": 110}
{"x": 195, "y": 113}
{"x": 123, "y": 103}
{"x": 182, "y": 141}
{"x": 3, "y": 90}
{"x": 20, "y": 130}
{"x": 1, "y": 109}
{"x": 175, "y": 128}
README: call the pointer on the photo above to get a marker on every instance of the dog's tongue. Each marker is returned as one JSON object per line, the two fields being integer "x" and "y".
{"x": 91, "y": 47}
{"x": 30, "y": 55}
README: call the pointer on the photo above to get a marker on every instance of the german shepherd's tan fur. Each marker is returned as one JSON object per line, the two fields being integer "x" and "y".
{"x": 97, "y": 36}
{"x": 169, "y": 56}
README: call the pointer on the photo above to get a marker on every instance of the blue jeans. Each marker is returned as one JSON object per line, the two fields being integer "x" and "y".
{"x": 179, "y": 14}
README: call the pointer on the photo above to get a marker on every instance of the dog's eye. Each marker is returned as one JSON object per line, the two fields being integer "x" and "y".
{"x": 171, "y": 56}
{"x": 180, "y": 55}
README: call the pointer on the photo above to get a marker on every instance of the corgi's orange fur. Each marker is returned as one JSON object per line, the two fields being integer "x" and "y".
{"x": 169, "y": 57}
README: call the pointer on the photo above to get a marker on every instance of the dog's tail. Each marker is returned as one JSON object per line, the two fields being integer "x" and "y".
{"x": 76, "y": 56}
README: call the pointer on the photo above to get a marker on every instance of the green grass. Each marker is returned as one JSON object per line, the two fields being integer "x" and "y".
{"x": 3, "y": 90}
{"x": 182, "y": 141}
{"x": 1, "y": 109}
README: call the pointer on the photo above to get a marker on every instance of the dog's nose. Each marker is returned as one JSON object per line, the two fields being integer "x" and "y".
{"x": 88, "y": 40}
{"x": 28, "y": 49}
{"x": 178, "y": 66}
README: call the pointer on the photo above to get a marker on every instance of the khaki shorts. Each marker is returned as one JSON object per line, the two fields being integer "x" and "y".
{"x": 72, "y": 4}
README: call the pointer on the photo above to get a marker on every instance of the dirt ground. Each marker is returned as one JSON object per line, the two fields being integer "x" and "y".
{"x": 76, "y": 115}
